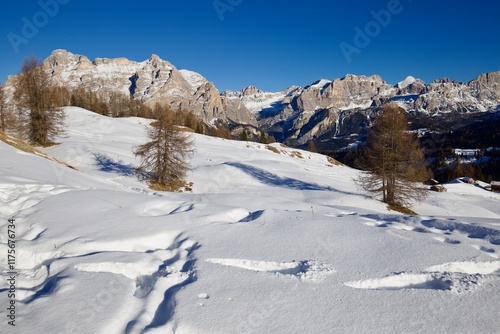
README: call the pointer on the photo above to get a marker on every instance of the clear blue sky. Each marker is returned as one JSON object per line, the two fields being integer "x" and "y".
{"x": 268, "y": 44}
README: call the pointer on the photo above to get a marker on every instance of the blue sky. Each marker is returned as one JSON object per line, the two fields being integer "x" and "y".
{"x": 269, "y": 44}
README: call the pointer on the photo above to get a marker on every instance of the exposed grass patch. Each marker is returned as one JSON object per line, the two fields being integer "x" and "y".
{"x": 402, "y": 209}
{"x": 293, "y": 154}
{"x": 296, "y": 154}
{"x": 186, "y": 129}
{"x": 179, "y": 127}
{"x": 178, "y": 186}
{"x": 333, "y": 161}
{"x": 25, "y": 147}
{"x": 273, "y": 149}
{"x": 17, "y": 143}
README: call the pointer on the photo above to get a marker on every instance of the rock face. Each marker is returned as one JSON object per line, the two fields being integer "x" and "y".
{"x": 346, "y": 106}
{"x": 339, "y": 108}
{"x": 151, "y": 81}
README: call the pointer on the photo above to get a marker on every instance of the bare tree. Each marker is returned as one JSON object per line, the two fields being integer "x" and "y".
{"x": 119, "y": 104}
{"x": 393, "y": 160}
{"x": 9, "y": 118}
{"x": 164, "y": 158}
{"x": 35, "y": 96}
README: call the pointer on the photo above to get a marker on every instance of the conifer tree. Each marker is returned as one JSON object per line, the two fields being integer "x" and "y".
{"x": 244, "y": 136}
{"x": 263, "y": 137}
{"x": 311, "y": 146}
{"x": 220, "y": 131}
{"x": 35, "y": 96}
{"x": 164, "y": 158}
{"x": 393, "y": 160}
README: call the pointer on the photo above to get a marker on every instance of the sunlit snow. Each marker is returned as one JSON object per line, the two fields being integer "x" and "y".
{"x": 265, "y": 243}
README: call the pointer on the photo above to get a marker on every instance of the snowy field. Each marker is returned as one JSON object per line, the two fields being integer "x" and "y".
{"x": 265, "y": 243}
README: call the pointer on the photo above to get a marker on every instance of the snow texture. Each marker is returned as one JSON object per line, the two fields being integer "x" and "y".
{"x": 265, "y": 243}
{"x": 406, "y": 82}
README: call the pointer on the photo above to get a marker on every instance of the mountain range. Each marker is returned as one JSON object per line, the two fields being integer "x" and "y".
{"x": 324, "y": 109}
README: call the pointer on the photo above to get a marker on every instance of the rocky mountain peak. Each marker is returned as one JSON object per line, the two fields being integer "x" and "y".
{"x": 410, "y": 86}
{"x": 295, "y": 115}
{"x": 406, "y": 82}
{"x": 489, "y": 79}
{"x": 360, "y": 78}
{"x": 151, "y": 81}
{"x": 251, "y": 90}
{"x": 65, "y": 59}
{"x": 156, "y": 62}
{"x": 108, "y": 61}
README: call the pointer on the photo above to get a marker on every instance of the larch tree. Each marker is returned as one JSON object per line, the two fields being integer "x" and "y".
{"x": 244, "y": 135}
{"x": 263, "y": 137}
{"x": 393, "y": 160}
{"x": 164, "y": 159}
{"x": 311, "y": 146}
{"x": 35, "y": 97}
{"x": 8, "y": 120}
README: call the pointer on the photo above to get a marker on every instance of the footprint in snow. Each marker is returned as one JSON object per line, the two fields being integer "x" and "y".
{"x": 310, "y": 270}
{"x": 454, "y": 277}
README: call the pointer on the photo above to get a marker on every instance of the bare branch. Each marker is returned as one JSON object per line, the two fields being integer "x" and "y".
{"x": 393, "y": 160}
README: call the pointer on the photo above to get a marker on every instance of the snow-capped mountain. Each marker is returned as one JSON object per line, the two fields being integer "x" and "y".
{"x": 258, "y": 101}
{"x": 295, "y": 115}
{"x": 151, "y": 81}
{"x": 343, "y": 106}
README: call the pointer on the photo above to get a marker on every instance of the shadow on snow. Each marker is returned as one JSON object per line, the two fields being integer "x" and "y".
{"x": 275, "y": 180}
{"x": 106, "y": 164}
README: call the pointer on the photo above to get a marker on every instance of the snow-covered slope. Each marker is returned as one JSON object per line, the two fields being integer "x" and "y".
{"x": 266, "y": 243}
{"x": 258, "y": 101}
{"x": 406, "y": 82}
{"x": 194, "y": 79}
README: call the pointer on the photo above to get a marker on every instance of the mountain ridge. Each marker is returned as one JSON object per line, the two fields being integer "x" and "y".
{"x": 151, "y": 81}
{"x": 295, "y": 115}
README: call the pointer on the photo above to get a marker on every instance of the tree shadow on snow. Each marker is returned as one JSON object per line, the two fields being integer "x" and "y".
{"x": 106, "y": 164}
{"x": 275, "y": 180}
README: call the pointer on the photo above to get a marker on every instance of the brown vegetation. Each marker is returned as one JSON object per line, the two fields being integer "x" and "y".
{"x": 25, "y": 147}
{"x": 40, "y": 118}
{"x": 3, "y": 108}
{"x": 393, "y": 160}
{"x": 164, "y": 158}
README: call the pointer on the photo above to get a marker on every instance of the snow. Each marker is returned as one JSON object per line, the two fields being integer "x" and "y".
{"x": 194, "y": 79}
{"x": 305, "y": 270}
{"x": 267, "y": 102}
{"x": 262, "y": 101}
{"x": 406, "y": 82}
{"x": 321, "y": 84}
{"x": 265, "y": 243}
{"x": 353, "y": 105}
